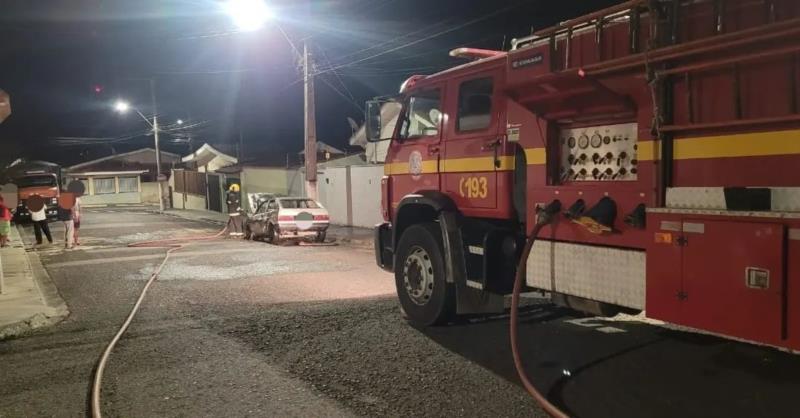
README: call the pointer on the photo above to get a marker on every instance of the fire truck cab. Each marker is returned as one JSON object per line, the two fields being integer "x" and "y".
{"x": 664, "y": 133}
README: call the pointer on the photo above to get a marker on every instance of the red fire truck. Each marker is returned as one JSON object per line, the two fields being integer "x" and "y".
{"x": 661, "y": 138}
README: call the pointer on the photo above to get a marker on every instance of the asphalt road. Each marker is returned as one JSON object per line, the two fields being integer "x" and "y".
{"x": 237, "y": 328}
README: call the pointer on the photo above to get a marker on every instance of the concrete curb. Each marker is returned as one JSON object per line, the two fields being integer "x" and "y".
{"x": 55, "y": 307}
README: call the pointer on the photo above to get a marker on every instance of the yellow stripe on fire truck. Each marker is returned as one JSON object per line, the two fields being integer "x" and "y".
{"x": 722, "y": 146}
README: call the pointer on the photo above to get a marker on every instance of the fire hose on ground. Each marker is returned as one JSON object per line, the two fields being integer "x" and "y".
{"x": 173, "y": 245}
{"x": 546, "y": 215}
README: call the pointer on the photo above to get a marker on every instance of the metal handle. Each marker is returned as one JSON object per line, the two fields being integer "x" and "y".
{"x": 493, "y": 144}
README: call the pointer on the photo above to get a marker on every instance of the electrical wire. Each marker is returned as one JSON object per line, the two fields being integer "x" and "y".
{"x": 349, "y": 100}
{"x": 437, "y": 34}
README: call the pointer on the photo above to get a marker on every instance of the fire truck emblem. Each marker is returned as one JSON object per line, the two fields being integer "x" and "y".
{"x": 415, "y": 164}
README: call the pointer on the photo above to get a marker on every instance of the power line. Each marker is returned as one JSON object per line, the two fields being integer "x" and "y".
{"x": 351, "y": 100}
{"x": 440, "y": 33}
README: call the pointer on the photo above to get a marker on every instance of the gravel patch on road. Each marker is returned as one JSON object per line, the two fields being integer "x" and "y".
{"x": 364, "y": 355}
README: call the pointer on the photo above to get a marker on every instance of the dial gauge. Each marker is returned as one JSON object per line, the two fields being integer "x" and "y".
{"x": 583, "y": 141}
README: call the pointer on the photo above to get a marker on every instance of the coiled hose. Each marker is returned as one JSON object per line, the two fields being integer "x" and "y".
{"x": 173, "y": 245}
{"x": 546, "y": 216}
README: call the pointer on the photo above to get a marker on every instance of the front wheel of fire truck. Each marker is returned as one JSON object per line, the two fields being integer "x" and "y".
{"x": 425, "y": 296}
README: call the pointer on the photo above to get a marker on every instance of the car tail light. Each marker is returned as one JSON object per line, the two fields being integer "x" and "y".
{"x": 321, "y": 217}
{"x": 285, "y": 218}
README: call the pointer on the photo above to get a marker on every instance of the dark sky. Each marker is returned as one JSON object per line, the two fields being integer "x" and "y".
{"x": 54, "y": 53}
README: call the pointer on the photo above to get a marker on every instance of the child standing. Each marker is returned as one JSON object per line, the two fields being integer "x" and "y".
{"x": 76, "y": 218}
{"x": 5, "y": 223}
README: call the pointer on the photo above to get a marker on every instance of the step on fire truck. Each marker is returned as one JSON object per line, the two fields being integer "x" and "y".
{"x": 662, "y": 136}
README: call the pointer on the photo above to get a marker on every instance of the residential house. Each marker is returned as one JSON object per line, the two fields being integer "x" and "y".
{"x": 126, "y": 178}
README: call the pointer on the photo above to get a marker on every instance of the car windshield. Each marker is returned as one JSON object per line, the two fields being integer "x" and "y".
{"x": 36, "y": 181}
{"x": 299, "y": 204}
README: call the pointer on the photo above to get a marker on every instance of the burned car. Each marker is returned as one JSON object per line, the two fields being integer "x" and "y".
{"x": 288, "y": 218}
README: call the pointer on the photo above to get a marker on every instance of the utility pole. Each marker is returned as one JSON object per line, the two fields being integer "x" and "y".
{"x": 310, "y": 126}
{"x": 158, "y": 150}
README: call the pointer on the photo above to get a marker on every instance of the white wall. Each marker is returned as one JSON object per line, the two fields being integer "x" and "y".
{"x": 333, "y": 193}
{"x": 366, "y": 192}
{"x": 188, "y": 201}
{"x": 150, "y": 191}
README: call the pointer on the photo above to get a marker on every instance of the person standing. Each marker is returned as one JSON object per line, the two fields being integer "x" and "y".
{"x": 234, "y": 201}
{"x": 40, "y": 225}
{"x": 5, "y": 222}
{"x": 65, "y": 204}
{"x": 76, "y": 219}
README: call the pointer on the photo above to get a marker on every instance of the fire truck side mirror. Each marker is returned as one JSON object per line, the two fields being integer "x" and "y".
{"x": 373, "y": 121}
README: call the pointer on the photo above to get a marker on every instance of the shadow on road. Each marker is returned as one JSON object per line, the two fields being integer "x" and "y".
{"x": 640, "y": 370}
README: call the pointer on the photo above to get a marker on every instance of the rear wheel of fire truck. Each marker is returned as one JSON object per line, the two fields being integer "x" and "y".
{"x": 425, "y": 296}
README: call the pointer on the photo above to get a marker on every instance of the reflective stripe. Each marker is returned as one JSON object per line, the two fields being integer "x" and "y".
{"x": 722, "y": 146}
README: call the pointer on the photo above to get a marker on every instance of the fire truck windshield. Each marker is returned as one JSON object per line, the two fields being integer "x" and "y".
{"x": 36, "y": 181}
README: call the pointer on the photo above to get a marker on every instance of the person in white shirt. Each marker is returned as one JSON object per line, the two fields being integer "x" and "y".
{"x": 76, "y": 219}
{"x": 40, "y": 224}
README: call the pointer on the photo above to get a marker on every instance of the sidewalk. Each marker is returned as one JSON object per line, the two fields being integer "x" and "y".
{"x": 30, "y": 299}
{"x": 345, "y": 235}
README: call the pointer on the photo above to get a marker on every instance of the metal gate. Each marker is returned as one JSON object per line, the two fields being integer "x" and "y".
{"x": 214, "y": 193}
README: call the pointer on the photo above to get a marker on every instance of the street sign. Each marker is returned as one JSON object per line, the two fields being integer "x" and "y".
{"x": 5, "y": 106}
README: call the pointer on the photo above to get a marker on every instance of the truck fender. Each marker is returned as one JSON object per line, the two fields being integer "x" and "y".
{"x": 423, "y": 206}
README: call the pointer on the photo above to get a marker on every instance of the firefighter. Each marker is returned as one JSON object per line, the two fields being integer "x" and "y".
{"x": 234, "y": 201}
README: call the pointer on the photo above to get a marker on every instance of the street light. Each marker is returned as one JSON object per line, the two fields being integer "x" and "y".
{"x": 248, "y": 15}
{"x": 122, "y": 107}
{"x": 179, "y": 121}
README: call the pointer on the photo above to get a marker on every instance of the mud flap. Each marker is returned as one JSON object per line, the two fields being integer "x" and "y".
{"x": 469, "y": 300}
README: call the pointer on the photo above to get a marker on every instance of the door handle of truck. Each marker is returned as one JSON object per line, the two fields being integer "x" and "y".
{"x": 433, "y": 149}
{"x": 491, "y": 145}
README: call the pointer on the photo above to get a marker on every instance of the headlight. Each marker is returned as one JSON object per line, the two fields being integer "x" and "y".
{"x": 54, "y": 201}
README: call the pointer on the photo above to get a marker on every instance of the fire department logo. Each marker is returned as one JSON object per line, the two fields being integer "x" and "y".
{"x": 415, "y": 164}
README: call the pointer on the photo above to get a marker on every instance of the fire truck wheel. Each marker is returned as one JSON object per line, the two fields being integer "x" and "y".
{"x": 425, "y": 296}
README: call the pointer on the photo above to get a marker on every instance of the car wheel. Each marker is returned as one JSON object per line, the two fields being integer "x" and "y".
{"x": 425, "y": 296}
{"x": 320, "y": 236}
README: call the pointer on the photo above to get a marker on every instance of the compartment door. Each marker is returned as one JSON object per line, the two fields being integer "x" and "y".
{"x": 733, "y": 278}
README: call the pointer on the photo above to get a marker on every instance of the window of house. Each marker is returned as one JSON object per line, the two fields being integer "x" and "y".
{"x": 474, "y": 104}
{"x": 423, "y": 115}
{"x": 129, "y": 184}
{"x": 104, "y": 185}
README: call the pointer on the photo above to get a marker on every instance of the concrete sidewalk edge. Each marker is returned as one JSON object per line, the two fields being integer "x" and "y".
{"x": 56, "y": 308}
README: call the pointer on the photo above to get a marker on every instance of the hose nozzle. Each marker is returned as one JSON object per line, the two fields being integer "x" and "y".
{"x": 547, "y": 214}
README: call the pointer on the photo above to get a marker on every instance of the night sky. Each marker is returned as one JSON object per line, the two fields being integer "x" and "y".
{"x": 55, "y": 54}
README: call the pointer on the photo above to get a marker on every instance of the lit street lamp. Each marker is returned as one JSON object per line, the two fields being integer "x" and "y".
{"x": 248, "y": 15}
{"x": 179, "y": 121}
{"x": 123, "y": 107}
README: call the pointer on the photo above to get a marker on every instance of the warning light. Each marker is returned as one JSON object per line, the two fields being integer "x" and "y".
{"x": 663, "y": 238}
